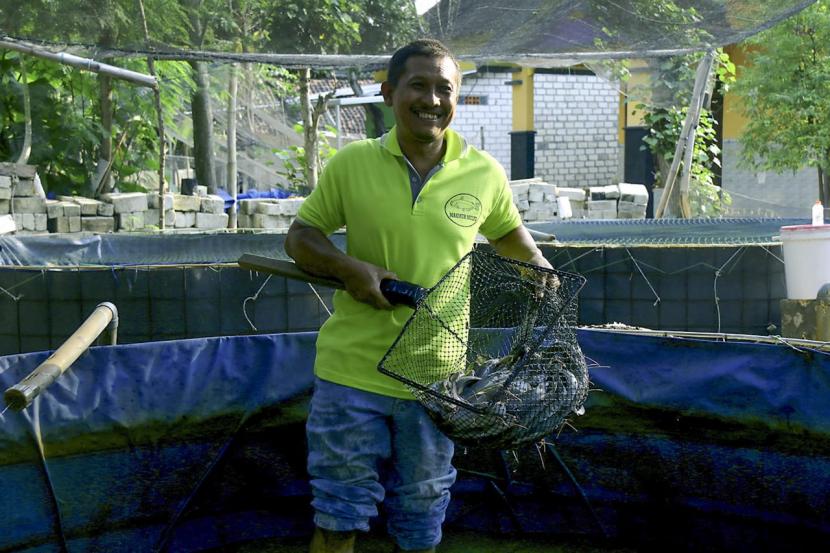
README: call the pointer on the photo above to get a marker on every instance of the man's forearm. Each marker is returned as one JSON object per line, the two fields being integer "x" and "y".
{"x": 312, "y": 251}
{"x": 519, "y": 245}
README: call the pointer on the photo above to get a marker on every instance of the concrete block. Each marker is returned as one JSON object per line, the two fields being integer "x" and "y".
{"x": 185, "y": 219}
{"x": 634, "y": 193}
{"x": 154, "y": 202}
{"x": 151, "y": 218}
{"x": 211, "y": 220}
{"x": 201, "y": 190}
{"x": 290, "y": 206}
{"x": 74, "y": 210}
{"x": 610, "y": 192}
{"x": 539, "y": 192}
{"x": 98, "y": 224}
{"x": 5, "y": 193}
{"x": 58, "y": 224}
{"x": 601, "y": 205}
{"x": 7, "y": 224}
{"x": 105, "y": 210}
{"x": 269, "y": 208}
{"x": 244, "y": 220}
{"x": 5, "y": 181}
{"x": 29, "y": 204}
{"x": 24, "y": 221}
{"x": 130, "y": 221}
{"x": 126, "y": 202}
{"x": 88, "y": 205}
{"x": 54, "y": 209}
{"x": 260, "y": 220}
{"x": 212, "y": 204}
{"x": 40, "y": 222}
{"x": 573, "y": 194}
{"x": 523, "y": 205}
{"x": 5, "y": 206}
{"x": 520, "y": 191}
{"x": 19, "y": 169}
{"x": 182, "y": 202}
{"x": 24, "y": 188}
{"x": 249, "y": 207}
{"x": 75, "y": 223}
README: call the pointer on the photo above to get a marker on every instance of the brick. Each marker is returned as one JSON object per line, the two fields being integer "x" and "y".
{"x": 97, "y": 224}
{"x": 151, "y": 218}
{"x": 211, "y": 220}
{"x": 31, "y": 204}
{"x": 185, "y": 219}
{"x": 153, "y": 200}
{"x": 105, "y": 210}
{"x": 182, "y": 202}
{"x": 130, "y": 221}
{"x": 24, "y": 188}
{"x": 127, "y": 202}
{"x": 212, "y": 204}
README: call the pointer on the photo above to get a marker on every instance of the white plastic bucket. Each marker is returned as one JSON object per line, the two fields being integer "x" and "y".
{"x": 806, "y": 259}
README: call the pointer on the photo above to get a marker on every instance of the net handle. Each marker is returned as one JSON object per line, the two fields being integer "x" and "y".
{"x": 398, "y": 292}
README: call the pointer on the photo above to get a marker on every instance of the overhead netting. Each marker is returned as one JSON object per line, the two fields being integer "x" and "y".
{"x": 541, "y": 32}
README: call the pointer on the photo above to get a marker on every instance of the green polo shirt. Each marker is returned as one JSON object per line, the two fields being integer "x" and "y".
{"x": 366, "y": 188}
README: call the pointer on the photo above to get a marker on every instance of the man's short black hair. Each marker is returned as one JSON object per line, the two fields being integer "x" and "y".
{"x": 428, "y": 47}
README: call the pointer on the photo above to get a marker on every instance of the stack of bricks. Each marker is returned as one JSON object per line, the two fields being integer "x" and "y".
{"x": 633, "y": 201}
{"x": 535, "y": 200}
{"x": 270, "y": 213}
{"x": 128, "y": 209}
{"x": 19, "y": 195}
{"x": 602, "y": 202}
{"x": 202, "y": 210}
{"x": 617, "y": 201}
{"x": 92, "y": 215}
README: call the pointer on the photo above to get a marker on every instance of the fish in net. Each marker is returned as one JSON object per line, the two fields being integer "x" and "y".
{"x": 491, "y": 352}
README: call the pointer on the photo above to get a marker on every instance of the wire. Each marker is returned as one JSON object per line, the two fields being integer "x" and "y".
{"x": 253, "y": 298}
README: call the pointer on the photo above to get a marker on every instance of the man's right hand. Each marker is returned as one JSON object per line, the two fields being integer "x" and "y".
{"x": 363, "y": 280}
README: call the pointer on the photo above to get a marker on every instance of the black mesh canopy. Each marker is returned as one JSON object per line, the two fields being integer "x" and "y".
{"x": 530, "y": 32}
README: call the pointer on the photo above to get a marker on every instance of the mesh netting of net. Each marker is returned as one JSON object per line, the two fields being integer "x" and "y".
{"x": 491, "y": 352}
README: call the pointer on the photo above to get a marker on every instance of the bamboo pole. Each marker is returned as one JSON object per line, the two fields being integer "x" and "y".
{"x": 105, "y": 316}
{"x": 689, "y": 128}
{"x": 79, "y": 62}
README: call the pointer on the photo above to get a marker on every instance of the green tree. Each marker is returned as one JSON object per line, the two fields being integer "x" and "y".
{"x": 785, "y": 90}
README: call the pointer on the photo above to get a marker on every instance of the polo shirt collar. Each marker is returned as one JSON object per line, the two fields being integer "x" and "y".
{"x": 456, "y": 144}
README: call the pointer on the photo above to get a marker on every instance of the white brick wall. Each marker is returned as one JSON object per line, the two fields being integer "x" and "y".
{"x": 495, "y": 119}
{"x": 576, "y": 130}
{"x": 575, "y": 120}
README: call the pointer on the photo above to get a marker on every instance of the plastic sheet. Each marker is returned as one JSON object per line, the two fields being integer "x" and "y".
{"x": 198, "y": 443}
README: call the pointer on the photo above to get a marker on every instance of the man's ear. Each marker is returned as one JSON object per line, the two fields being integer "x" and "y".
{"x": 386, "y": 90}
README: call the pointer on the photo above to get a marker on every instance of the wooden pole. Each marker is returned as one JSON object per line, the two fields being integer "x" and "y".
{"x": 151, "y": 65}
{"x": 689, "y": 128}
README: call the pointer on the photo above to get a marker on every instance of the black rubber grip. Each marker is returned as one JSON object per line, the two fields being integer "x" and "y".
{"x": 398, "y": 292}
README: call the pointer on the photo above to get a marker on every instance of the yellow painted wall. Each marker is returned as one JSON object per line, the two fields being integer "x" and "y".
{"x": 733, "y": 121}
{"x": 523, "y": 100}
{"x": 629, "y": 116}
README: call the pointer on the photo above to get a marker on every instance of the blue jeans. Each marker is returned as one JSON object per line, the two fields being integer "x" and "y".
{"x": 366, "y": 449}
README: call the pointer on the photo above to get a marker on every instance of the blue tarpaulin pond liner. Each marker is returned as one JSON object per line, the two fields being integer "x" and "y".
{"x": 687, "y": 444}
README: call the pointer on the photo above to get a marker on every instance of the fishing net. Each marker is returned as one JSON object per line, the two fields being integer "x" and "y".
{"x": 491, "y": 352}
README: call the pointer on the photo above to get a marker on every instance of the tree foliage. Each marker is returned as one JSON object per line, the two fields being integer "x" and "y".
{"x": 786, "y": 96}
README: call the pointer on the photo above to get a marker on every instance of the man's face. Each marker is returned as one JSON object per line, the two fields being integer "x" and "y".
{"x": 424, "y": 99}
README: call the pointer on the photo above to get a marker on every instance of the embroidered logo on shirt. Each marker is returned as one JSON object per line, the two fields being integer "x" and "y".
{"x": 463, "y": 209}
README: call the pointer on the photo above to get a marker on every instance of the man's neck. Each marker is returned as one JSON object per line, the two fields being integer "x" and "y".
{"x": 424, "y": 155}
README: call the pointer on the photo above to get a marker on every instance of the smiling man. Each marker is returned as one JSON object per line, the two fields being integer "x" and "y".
{"x": 412, "y": 202}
